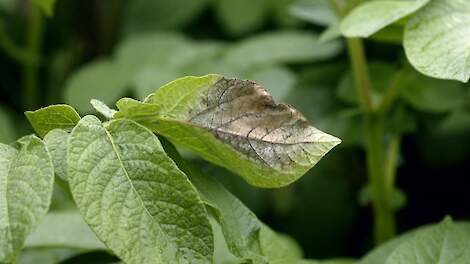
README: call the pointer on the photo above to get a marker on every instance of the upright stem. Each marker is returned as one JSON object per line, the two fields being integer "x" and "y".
{"x": 361, "y": 72}
{"x": 33, "y": 47}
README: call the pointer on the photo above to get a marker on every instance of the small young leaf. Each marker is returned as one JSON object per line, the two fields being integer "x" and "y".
{"x": 55, "y": 116}
{"x": 64, "y": 230}
{"x": 372, "y": 16}
{"x": 445, "y": 243}
{"x": 437, "y": 40}
{"x": 102, "y": 108}
{"x": 56, "y": 143}
{"x": 235, "y": 124}
{"x": 134, "y": 197}
{"x": 26, "y": 179}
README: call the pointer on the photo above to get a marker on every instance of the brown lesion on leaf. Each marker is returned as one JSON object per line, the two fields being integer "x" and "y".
{"x": 244, "y": 115}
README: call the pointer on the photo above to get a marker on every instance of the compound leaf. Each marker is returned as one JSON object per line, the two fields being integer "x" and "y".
{"x": 55, "y": 116}
{"x": 235, "y": 124}
{"x": 26, "y": 180}
{"x": 372, "y": 16}
{"x": 134, "y": 197}
{"x": 437, "y": 40}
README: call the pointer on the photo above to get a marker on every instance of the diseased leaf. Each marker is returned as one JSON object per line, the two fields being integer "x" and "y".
{"x": 55, "y": 116}
{"x": 102, "y": 108}
{"x": 235, "y": 124}
{"x": 65, "y": 229}
{"x": 281, "y": 47}
{"x": 445, "y": 243}
{"x": 437, "y": 40}
{"x": 370, "y": 17}
{"x": 56, "y": 143}
{"x": 134, "y": 197}
{"x": 26, "y": 179}
{"x": 279, "y": 80}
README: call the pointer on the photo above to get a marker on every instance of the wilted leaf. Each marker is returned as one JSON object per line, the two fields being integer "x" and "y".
{"x": 26, "y": 179}
{"x": 55, "y": 116}
{"x": 134, "y": 197}
{"x": 437, "y": 39}
{"x": 235, "y": 124}
{"x": 370, "y": 17}
{"x": 445, "y": 243}
{"x": 65, "y": 229}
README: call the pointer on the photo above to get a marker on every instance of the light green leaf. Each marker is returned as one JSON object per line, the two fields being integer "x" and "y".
{"x": 234, "y": 124}
{"x": 55, "y": 116}
{"x": 101, "y": 79}
{"x": 370, "y": 17}
{"x": 315, "y": 11}
{"x": 242, "y": 16}
{"x": 278, "y": 248}
{"x": 431, "y": 95}
{"x": 437, "y": 40}
{"x": 56, "y": 143}
{"x": 7, "y": 132}
{"x": 331, "y": 261}
{"x": 281, "y": 47}
{"x": 26, "y": 179}
{"x": 64, "y": 230}
{"x": 445, "y": 243}
{"x": 331, "y": 33}
{"x": 134, "y": 197}
{"x": 102, "y": 108}
{"x": 46, "y": 255}
{"x": 47, "y": 6}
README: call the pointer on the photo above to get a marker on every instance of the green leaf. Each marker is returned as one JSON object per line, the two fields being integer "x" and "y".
{"x": 102, "y": 108}
{"x": 26, "y": 180}
{"x": 370, "y": 17}
{"x": 64, "y": 230}
{"x": 247, "y": 238}
{"x": 55, "y": 116}
{"x": 46, "y": 255}
{"x": 234, "y": 124}
{"x": 56, "y": 143}
{"x": 331, "y": 33}
{"x": 47, "y": 6}
{"x": 315, "y": 11}
{"x": 134, "y": 197}
{"x": 150, "y": 15}
{"x": 431, "y": 95}
{"x": 7, "y": 132}
{"x": 437, "y": 40}
{"x": 101, "y": 79}
{"x": 445, "y": 243}
{"x": 281, "y": 47}
{"x": 253, "y": 14}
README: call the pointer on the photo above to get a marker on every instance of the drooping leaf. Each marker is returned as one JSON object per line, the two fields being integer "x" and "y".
{"x": 134, "y": 197}
{"x": 241, "y": 16}
{"x": 26, "y": 179}
{"x": 235, "y": 124}
{"x": 56, "y": 143}
{"x": 445, "y": 243}
{"x": 370, "y": 17}
{"x": 64, "y": 230}
{"x": 102, "y": 79}
{"x": 102, "y": 108}
{"x": 55, "y": 116}
{"x": 437, "y": 40}
{"x": 281, "y": 47}
{"x": 7, "y": 132}
{"x": 314, "y": 11}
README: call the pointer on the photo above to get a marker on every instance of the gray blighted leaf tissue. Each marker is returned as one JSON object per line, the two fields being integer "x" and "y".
{"x": 244, "y": 115}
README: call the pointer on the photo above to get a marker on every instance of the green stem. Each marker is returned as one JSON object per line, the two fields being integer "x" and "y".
{"x": 391, "y": 161}
{"x": 361, "y": 72}
{"x": 393, "y": 90}
{"x": 33, "y": 47}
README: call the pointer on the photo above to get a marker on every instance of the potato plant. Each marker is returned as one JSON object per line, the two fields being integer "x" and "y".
{"x": 123, "y": 154}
